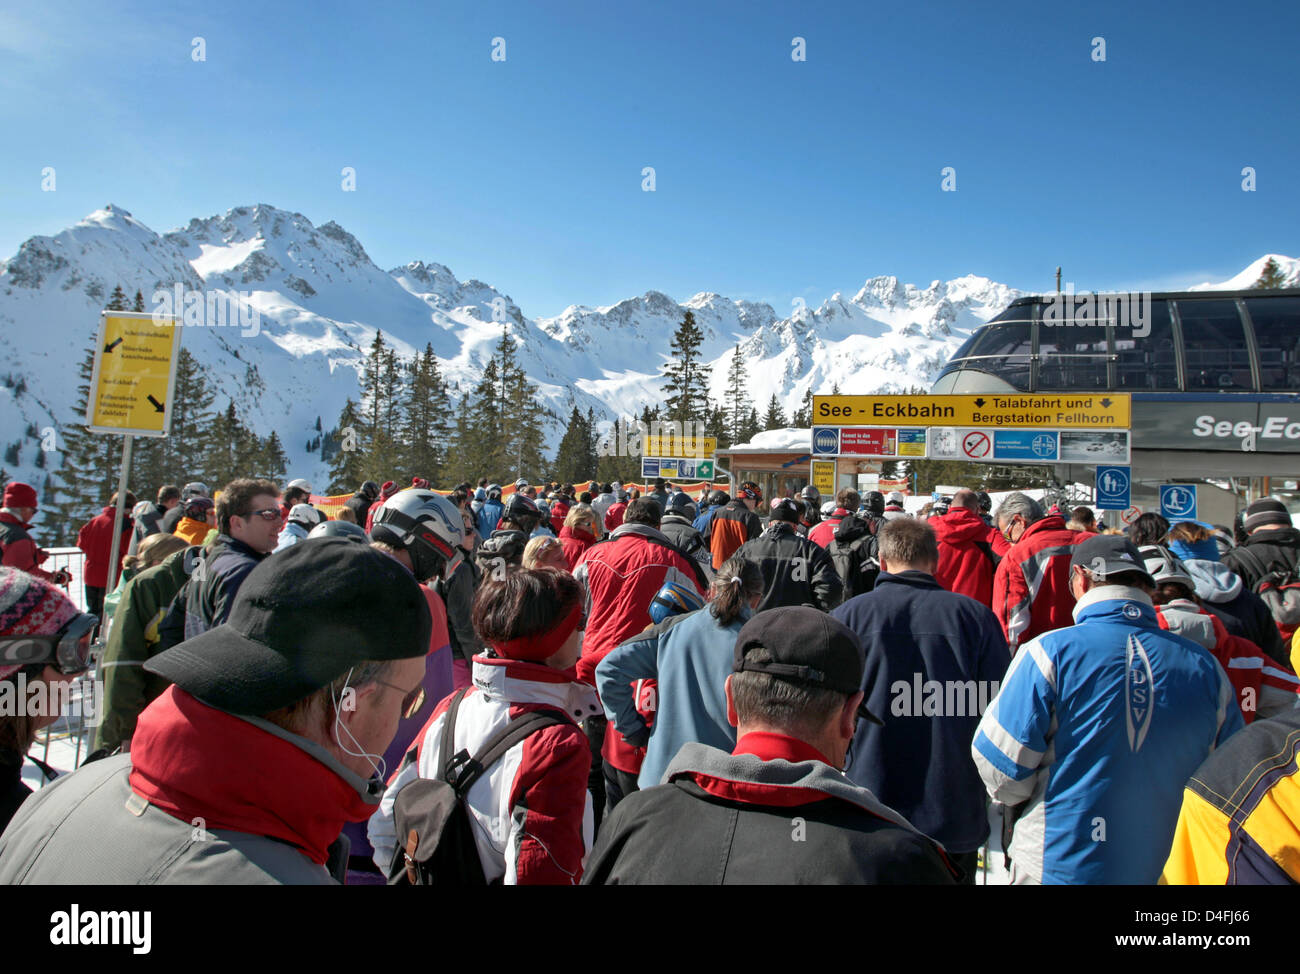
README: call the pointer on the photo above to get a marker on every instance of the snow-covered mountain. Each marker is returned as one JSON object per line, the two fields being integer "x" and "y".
{"x": 320, "y": 298}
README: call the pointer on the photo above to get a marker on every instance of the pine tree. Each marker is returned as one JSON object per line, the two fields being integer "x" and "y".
{"x": 687, "y": 388}
{"x": 803, "y": 415}
{"x": 718, "y": 425}
{"x": 524, "y": 416}
{"x": 572, "y": 459}
{"x": 479, "y": 446}
{"x": 116, "y": 300}
{"x": 185, "y": 450}
{"x": 344, "y": 451}
{"x": 775, "y": 418}
{"x": 138, "y": 304}
{"x": 1271, "y": 276}
{"x": 751, "y": 428}
{"x": 424, "y": 431}
{"x": 380, "y": 387}
{"x": 273, "y": 463}
{"x": 738, "y": 402}
{"x": 89, "y": 468}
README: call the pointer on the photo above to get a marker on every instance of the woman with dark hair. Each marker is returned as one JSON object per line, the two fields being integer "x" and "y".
{"x": 1149, "y": 528}
{"x": 44, "y": 642}
{"x": 531, "y": 810}
{"x": 691, "y": 656}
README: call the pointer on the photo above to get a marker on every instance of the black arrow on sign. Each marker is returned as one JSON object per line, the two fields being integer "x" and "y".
{"x": 980, "y": 403}
{"x": 156, "y": 404}
{"x": 112, "y": 345}
{"x": 1105, "y": 403}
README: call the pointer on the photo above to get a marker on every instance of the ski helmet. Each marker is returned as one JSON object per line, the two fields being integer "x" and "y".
{"x": 369, "y": 490}
{"x": 507, "y": 546}
{"x": 718, "y": 498}
{"x": 426, "y": 526}
{"x": 523, "y": 511}
{"x": 306, "y": 516}
{"x": 812, "y": 494}
{"x": 874, "y": 502}
{"x": 828, "y": 508}
{"x": 682, "y": 504}
{"x": 673, "y": 599}
{"x": 340, "y": 529}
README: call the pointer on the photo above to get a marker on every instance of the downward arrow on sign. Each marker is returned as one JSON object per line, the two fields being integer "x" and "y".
{"x": 156, "y": 404}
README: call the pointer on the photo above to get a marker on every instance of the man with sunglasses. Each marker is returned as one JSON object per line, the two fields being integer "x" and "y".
{"x": 270, "y": 739}
{"x": 248, "y": 519}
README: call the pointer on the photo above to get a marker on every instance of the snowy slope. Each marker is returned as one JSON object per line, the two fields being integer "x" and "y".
{"x": 320, "y": 299}
{"x": 1289, "y": 266}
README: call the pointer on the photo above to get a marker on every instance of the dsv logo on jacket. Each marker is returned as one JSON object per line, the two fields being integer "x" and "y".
{"x": 1137, "y": 710}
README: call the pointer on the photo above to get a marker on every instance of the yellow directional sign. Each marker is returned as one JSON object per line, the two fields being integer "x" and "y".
{"x": 823, "y": 477}
{"x": 1091, "y": 410}
{"x": 678, "y": 446}
{"x": 131, "y": 386}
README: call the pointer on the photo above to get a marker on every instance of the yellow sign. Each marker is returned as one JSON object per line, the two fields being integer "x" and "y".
{"x": 131, "y": 386}
{"x": 1089, "y": 410}
{"x": 823, "y": 477}
{"x": 668, "y": 445}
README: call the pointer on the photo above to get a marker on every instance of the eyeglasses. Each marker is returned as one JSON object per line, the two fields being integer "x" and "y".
{"x": 269, "y": 514}
{"x": 68, "y": 649}
{"x": 412, "y": 702}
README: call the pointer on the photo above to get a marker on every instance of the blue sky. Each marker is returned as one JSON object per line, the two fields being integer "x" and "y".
{"x": 775, "y": 179}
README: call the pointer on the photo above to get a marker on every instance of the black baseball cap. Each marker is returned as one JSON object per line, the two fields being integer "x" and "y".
{"x": 806, "y": 645}
{"x": 1110, "y": 554}
{"x": 303, "y": 617}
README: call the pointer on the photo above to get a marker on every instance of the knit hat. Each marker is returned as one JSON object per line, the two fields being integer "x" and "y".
{"x": 18, "y": 494}
{"x": 1265, "y": 512}
{"x": 31, "y": 606}
{"x": 388, "y": 490}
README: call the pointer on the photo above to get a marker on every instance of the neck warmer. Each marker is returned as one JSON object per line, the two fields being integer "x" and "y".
{"x": 194, "y": 761}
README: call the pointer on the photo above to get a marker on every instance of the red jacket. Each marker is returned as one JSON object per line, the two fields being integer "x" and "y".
{"x": 965, "y": 554}
{"x": 19, "y": 549}
{"x": 1264, "y": 687}
{"x": 621, "y": 576}
{"x": 1031, "y": 588}
{"x": 559, "y": 511}
{"x": 574, "y": 544}
{"x": 824, "y": 532}
{"x": 96, "y": 539}
{"x": 532, "y": 812}
{"x": 614, "y": 516}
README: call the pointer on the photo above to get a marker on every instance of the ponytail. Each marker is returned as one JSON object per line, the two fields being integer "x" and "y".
{"x": 737, "y": 581}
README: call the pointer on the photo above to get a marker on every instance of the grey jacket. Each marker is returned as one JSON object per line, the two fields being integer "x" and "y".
{"x": 90, "y": 828}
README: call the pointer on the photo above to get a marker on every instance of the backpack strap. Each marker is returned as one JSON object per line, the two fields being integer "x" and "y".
{"x": 448, "y": 741}
{"x": 1257, "y": 562}
{"x": 468, "y": 770}
{"x": 987, "y": 549}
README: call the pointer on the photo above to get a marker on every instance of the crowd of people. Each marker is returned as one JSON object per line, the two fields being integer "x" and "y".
{"x": 555, "y": 685}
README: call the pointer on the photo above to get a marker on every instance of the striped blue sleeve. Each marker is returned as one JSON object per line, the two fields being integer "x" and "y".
{"x": 1012, "y": 738}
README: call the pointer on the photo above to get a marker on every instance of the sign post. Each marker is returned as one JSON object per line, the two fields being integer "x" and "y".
{"x": 131, "y": 392}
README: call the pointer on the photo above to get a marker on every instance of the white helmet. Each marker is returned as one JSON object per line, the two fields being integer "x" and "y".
{"x": 426, "y": 526}
{"x": 828, "y": 508}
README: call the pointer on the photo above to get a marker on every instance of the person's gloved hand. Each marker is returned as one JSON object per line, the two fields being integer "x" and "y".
{"x": 62, "y": 577}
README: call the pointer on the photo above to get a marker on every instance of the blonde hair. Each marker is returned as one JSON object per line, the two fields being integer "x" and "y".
{"x": 580, "y": 514}
{"x": 152, "y": 550}
{"x": 535, "y": 552}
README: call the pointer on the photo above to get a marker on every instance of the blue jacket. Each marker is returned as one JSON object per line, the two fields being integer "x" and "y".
{"x": 934, "y": 662}
{"x": 488, "y": 516}
{"x": 1096, "y": 730}
{"x": 691, "y": 656}
{"x": 701, "y": 523}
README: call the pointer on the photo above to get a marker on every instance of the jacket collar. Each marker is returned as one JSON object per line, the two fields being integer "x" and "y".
{"x": 196, "y": 762}
{"x": 768, "y": 746}
{"x": 517, "y": 681}
{"x": 912, "y": 579}
{"x": 644, "y": 530}
{"x": 8, "y": 517}
{"x": 1116, "y": 603}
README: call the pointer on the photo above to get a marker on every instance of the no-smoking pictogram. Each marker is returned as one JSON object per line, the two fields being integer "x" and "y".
{"x": 976, "y": 444}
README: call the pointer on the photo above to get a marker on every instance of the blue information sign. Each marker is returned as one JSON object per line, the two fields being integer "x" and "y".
{"x": 1178, "y": 502}
{"x": 826, "y": 441}
{"x": 1113, "y": 488}
{"x": 649, "y": 468}
{"x": 1025, "y": 444}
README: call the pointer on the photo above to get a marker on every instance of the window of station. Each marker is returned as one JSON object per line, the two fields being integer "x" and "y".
{"x": 1072, "y": 357}
{"x": 1214, "y": 346}
{"x": 1148, "y": 363}
{"x": 1277, "y": 337}
{"x": 1004, "y": 349}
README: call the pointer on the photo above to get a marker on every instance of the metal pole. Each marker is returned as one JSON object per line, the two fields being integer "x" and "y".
{"x": 117, "y": 521}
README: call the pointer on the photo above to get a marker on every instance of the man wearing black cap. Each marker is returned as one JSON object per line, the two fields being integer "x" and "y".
{"x": 777, "y": 809}
{"x": 1272, "y": 543}
{"x": 246, "y": 769}
{"x": 1097, "y": 727}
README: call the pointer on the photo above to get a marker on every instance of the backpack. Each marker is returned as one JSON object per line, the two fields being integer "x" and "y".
{"x": 856, "y": 562}
{"x": 1279, "y": 590}
{"x": 439, "y": 848}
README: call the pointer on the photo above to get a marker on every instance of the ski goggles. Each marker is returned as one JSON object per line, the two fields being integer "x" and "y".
{"x": 68, "y": 649}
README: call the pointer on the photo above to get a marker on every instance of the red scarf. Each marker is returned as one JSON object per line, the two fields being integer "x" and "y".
{"x": 193, "y": 761}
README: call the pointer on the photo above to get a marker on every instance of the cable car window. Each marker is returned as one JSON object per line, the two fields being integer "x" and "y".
{"x": 1214, "y": 345}
{"x": 1277, "y": 336}
{"x": 1144, "y": 356}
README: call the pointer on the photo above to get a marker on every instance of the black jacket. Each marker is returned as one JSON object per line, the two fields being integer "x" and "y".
{"x": 1277, "y": 549}
{"x": 172, "y": 518}
{"x": 796, "y": 571}
{"x": 687, "y": 832}
{"x": 212, "y": 587}
{"x": 458, "y": 596}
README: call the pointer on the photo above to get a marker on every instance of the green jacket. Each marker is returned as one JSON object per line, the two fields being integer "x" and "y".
{"x": 133, "y": 639}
